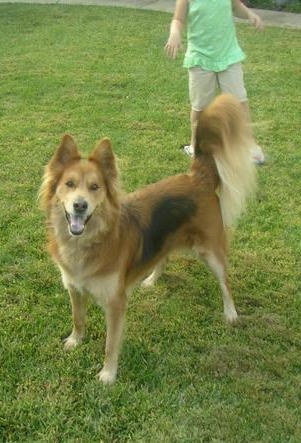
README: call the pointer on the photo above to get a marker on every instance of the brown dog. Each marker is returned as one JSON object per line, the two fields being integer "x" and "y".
{"x": 105, "y": 242}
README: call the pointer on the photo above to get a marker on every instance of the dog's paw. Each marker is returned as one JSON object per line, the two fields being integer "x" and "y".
{"x": 231, "y": 315}
{"x": 107, "y": 376}
{"x": 149, "y": 281}
{"x": 71, "y": 342}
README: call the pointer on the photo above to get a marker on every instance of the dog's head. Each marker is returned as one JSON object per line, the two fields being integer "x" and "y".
{"x": 79, "y": 188}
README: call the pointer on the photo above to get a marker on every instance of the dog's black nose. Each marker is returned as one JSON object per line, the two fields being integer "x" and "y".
{"x": 80, "y": 206}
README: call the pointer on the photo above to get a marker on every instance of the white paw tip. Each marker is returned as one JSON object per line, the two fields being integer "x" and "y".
{"x": 70, "y": 343}
{"x": 231, "y": 317}
{"x": 147, "y": 283}
{"x": 107, "y": 377}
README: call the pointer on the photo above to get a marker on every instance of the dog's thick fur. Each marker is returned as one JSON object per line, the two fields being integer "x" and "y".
{"x": 105, "y": 242}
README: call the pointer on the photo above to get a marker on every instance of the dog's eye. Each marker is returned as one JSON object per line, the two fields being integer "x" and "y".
{"x": 70, "y": 184}
{"x": 94, "y": 187}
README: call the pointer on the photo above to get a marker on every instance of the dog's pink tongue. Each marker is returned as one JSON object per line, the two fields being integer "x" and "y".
{"x": 77, "y": 224}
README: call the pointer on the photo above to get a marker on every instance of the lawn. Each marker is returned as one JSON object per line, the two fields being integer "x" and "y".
{"x": 283, "y": 5}
{"x": 185, "y": 376}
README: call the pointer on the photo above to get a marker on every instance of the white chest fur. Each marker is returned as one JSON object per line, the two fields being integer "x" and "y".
{"x": 101, "y": 288}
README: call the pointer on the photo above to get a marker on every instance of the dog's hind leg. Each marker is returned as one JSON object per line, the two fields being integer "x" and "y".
{"x": 79, "y": 304}
{"x": 115, "y": 314}
{"x": 217, "y": 263}
{"x": 153, "y": 277}
{"x": 219, "y": 269}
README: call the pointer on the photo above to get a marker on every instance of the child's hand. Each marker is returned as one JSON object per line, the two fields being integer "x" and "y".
{"x": 174, "y": 40}
{"x": 255, "y": 20}
{"x": 173, "y": 45}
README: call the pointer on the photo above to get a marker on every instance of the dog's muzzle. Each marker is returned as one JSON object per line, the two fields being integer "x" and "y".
{"x": 78, "y": 218}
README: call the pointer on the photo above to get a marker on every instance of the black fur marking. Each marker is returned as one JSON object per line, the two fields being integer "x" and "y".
{"x": 167, "y": 216}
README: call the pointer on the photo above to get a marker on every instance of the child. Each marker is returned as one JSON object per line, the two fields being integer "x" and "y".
{"x": 213, "y": 56}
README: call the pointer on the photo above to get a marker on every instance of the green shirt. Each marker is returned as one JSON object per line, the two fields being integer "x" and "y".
{"x": 211, "y": 36}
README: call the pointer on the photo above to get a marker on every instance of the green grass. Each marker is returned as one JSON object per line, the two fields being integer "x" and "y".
{"x": 290, "y": 6}
{"x": 185, "y": 376}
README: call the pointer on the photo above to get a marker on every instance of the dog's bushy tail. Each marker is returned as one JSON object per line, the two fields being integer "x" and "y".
{"x": 224, "y": 132}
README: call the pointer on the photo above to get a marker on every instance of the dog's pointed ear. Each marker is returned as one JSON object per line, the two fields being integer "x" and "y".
{"x": 67, "y": 151}
{"x": 103, "y": 155}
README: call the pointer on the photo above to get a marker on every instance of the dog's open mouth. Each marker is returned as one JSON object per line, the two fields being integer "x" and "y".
{"x": 77, "y": 223}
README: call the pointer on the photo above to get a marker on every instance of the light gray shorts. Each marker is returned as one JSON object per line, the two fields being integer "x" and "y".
{"x": 203, "y": 85}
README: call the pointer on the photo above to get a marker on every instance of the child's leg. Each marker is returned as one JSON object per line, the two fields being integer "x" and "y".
{"x": 231, "y": 81}
{"x": 202, "y": 87}
{"x": 194, "y": 118}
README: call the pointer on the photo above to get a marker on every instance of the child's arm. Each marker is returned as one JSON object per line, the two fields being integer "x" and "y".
{"x": 241, "y": 11}
{"x": 174, "y": 40}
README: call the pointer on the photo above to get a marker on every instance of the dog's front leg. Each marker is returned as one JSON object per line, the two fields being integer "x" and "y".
{"x": 115, "y": 314}
{"x": 79, "y": 304}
